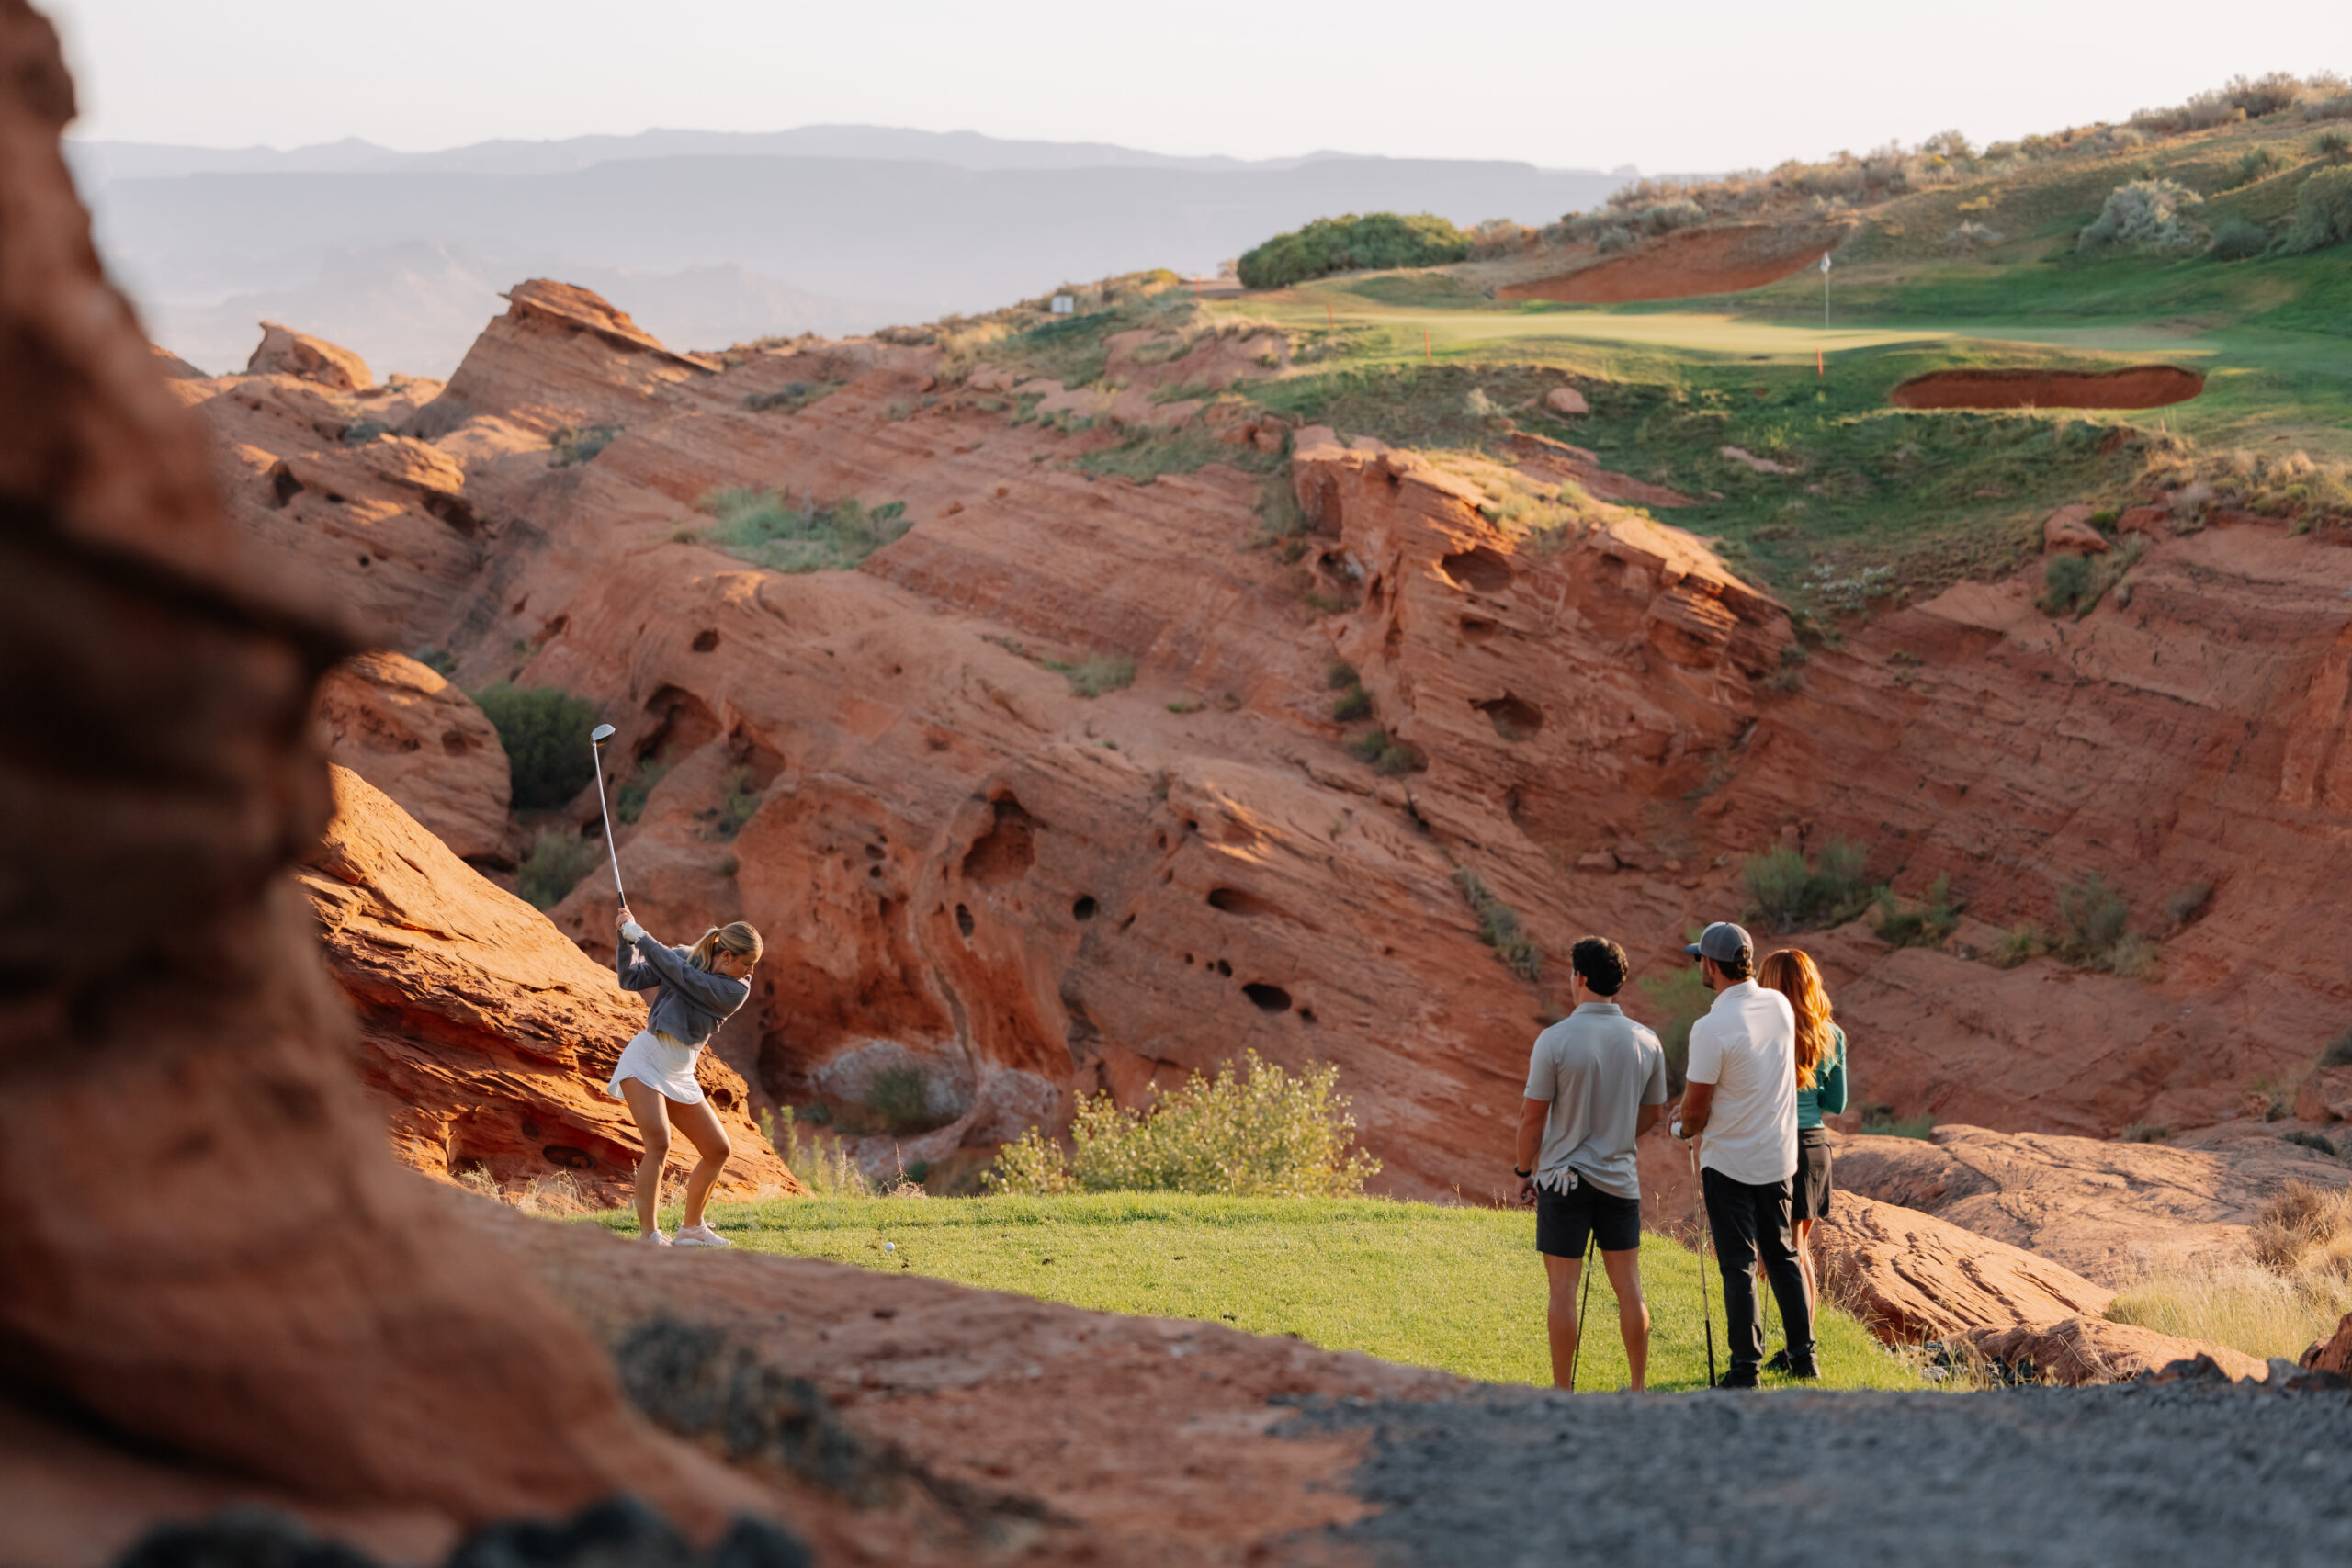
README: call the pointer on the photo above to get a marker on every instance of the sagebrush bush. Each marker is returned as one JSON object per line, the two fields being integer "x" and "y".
{"x": 544, "y": 732}
{"x": 1257, "y": 1131}
{"x": 2258, "y": 164}
{"x": 2322, "y": 213}
{"x": 819, "y": 1159}
{"x": 2337, "y": 1053}
{"x": 1973, "y": 236}
{"x": 559, "y": 858}
{"x": 1352, "y": 243}
{"x": 1097, "y": 674}
{"x": 1790, "y": 895}
{"x": 2150, "y": 214}
{"x": 2238, "y": 240}
{"x": 764, "y": 528}
{"x": 1500, "y": 929}
{"x": 1937, "y": 917}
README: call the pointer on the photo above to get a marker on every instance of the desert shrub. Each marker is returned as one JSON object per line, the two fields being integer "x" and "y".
{"x": 2322, "y": 213}
{"x": 2073, "y": 585}
{"x": 793, "y": 396}
{"x": 577, "y": 443}
{"x": 764, "y": 528}
{"x": 1791, "y": 895}
{"x": 544, "y": 732}
{"x": 2093, "y": 930}
{"x": 1097, "y": 674}
{"x": 1681, "y": 998}
{"x": 1499, "y": 237}
{"x": 2337, "y": 1053}
{"x": 1926, "y": 926}
{"x": 1665, "y": 217}
{"x": 2065, "y": 580}
{"x": 819, "y": 1159}
{"x": 2149, "y": 215}
{"x": 2311, "y": 1141}
{"x": 2256, "y": 164}
{"x": 1351, "y": 243}
{"x": 361, "y": 432}
{"x": 1339, "y": 675}
{"x": 2305, "y": 1230}
{"x": 1500, "y": 929}
{"x": 557, "y": 859}
{"x": 2238, "y": 240}
{"x": 1881, "y": 1121}
{"x": 2184, "y": 905}
{"x": 1257, "y": 1131}
{"x": 1973, "y": 236}
{"x": 738, "y": 798}
{"x": 2234, "y": 1302}
{"x": 2334, "y": 147}
{"x": 2020, "y": 943}
{"x": 1353, "y": 704}
{"x": 900, "y": 1097}
{"x": 629, "y": 801}
{"x": 2147, "y": 1133}
{"x": 1389, "y": 757}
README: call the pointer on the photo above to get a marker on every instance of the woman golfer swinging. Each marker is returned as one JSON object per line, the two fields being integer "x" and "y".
{"x": 701, "y": 988}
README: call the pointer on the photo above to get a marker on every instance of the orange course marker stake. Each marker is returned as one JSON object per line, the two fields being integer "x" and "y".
{"x": 1328, "y": 319}
{"x": 1818, "y": 367}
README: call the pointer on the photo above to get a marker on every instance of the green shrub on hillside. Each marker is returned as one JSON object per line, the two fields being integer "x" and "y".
{"x": 1500, "y": 929}
{"x": 2338, "y": 1051}
{"x": 2258, "y": 164}
{"x": 1258, "y": 1133}
{"x": 2323, "y": 213}
{"x": 2147, "y": 214}
{"x": 544, "y": 732}
{"x": 558, "y": 859}
{"x": 1351, "y": 243}
{"x": 766, "y": 528}
{"x": 1790, "y": 895}
{"x": 2238, "y": 240}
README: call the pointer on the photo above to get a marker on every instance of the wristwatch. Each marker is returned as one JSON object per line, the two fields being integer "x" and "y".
{"x": 1522, "y": 1175}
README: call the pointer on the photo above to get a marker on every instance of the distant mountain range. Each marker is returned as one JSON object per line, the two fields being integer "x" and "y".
{"x": 399, "y": 255}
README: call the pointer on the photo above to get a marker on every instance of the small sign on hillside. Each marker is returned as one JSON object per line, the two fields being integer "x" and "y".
{"x": 1063, "y": 304}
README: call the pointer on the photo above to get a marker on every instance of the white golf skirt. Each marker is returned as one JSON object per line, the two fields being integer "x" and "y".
{"x": 660, "y": 1063}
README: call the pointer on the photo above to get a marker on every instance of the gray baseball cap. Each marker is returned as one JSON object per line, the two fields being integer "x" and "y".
{"x": 1722, "y": 941}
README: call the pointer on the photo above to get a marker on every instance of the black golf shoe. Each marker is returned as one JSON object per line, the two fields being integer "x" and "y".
{"x": 1738, "y": 1378}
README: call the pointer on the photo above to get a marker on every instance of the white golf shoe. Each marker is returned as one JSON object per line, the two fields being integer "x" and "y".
{"x": 701, "y": 1236}
{"x": 654, "y": 1238}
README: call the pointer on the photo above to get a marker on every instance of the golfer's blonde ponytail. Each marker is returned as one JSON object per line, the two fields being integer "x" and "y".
{"x": 737, "y": 937}
{"x": 1793, "y": 973}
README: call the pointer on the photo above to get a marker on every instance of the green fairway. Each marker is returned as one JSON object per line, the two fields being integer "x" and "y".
{"x": 1456, "y": 1288}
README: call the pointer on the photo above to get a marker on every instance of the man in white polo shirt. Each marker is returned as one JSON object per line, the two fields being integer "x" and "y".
{"x": 1741, "y": 1103}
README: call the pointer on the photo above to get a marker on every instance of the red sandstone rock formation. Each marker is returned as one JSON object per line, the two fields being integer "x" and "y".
{"x": 486, "y": 1034}
{"x": 2108, "y": 1210}
{"x": 2332, "y": 1354}
{"x": 2080, "y": 1351}
{"x": 219, "y": 1283}
{"x": 421, "y": 741}
{"x": 1911, "y": 1277}
{"x": 285, "y": 351}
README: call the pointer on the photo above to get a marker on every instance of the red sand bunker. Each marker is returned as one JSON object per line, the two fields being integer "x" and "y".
{"x": 2141, "y": 386}
{"x": 1689, "y": 264}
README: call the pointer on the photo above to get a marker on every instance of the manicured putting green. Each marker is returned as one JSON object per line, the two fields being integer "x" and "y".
{"x": 1456, "y": 1288}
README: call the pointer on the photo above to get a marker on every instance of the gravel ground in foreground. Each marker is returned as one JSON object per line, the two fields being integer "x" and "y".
{"x": 2133, "y": 1473}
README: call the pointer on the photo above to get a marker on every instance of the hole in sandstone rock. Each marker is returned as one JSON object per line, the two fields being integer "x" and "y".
{"x": 283, "y": 486}
{"x": 1234, "y": 901}
{"x": 365, "y": 561}
{"x": 872, "y": 851}
{"x": 1268, "y": 999}
{"x": 885, "y": 1313}
{"x": 1125, "y": 923}
{"x": 1084, "y": 909}
{"x": 705, "y": 640}
{"x": 723, "y": 1096}
{"x": 1480, "y": 568}
{"x": 1188, "y": 961}
{"x": 962, "y": 919}
{"x": 1307, "y": 1015}
{"x": 333, "y": 499}
{"x": 1224, "y": 969}
{"x": 685, "y": 723}
{"x": 1007, "y": 851}
{"x": 455, "y": 743}
{"x": 1475, "y": 630}
{"x": 1514, "y": 718}
{"x": 569, "y": 1157}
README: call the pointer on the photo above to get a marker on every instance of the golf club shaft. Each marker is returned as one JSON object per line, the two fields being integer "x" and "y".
{"x": 1577, "y": 1355}
{"x": 1705, "y": 1230}
{"x": 606, "y": 812}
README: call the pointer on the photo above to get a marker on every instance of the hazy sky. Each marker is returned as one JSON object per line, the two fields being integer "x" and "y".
{"x": 1695, "y": 85}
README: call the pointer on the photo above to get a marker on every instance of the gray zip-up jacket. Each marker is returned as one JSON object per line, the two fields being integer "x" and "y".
{"x": 693, "y": 1002}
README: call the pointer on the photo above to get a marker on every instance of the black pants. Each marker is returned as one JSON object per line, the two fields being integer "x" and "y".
{"x": 1748, "y": 1223}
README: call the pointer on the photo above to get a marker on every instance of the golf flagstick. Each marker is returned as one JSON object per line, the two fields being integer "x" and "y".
{"x": 1705, "y": 1229}
{"x": 1591, "y": 1240}
{"x": 596, "y": 739}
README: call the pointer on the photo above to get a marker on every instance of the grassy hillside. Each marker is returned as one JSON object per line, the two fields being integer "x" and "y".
{"x": 1456, "y": 1288}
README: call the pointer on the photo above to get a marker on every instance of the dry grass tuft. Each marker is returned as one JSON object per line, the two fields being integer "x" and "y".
{"x": 2290, "y": 1290}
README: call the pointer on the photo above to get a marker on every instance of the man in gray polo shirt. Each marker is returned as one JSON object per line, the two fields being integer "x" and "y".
{"x": 1596, "y": 1082}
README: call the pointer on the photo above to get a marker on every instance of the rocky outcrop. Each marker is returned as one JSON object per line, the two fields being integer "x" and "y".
{"x": 216, "y": 1273}
{"x": 2080, "y": 1351}
{"x": 486, "y": 1035}
{"x": 285, "y": 351}
{"x": 2325, "y": 1096}
{"x": 1911, "y": 1277}
{"x": 2332, "y": 1354}
{"x": 2110, "y": 1211}
{"x": 421, "y": 741}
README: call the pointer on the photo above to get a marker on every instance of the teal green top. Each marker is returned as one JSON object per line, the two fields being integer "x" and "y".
{"x": 1829, "y": 1078}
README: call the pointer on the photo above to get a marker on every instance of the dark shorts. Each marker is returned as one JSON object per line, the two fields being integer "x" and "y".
{"x": 1810, "y": 1200}
{"x": 1563, "y": 1220}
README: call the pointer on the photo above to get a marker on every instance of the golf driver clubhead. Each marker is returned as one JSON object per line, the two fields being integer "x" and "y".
{"x": 596, "y": 739}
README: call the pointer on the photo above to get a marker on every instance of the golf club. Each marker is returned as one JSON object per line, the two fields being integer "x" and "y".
{"x": 1705, "y": 1230}
{"x": 1583, "y": 1327}
{"x": 596, "y": 739}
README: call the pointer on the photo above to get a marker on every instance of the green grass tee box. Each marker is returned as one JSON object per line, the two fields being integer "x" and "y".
{"x": 1459, "y": 1289}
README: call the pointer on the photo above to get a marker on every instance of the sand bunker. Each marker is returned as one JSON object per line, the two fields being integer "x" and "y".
{"x": 1689, "y": 264}
{"x": 2141, "y": 386}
